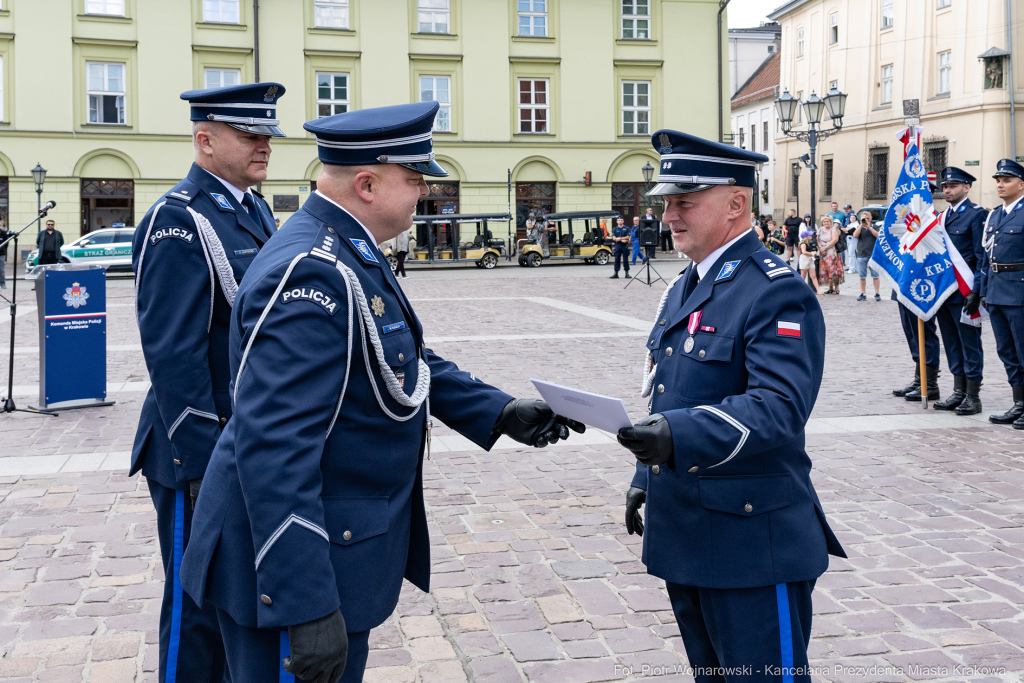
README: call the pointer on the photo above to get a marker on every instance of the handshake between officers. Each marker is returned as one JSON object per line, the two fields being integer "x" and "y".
{"x": 734, "y": 362}
{"x": 311, "y": 510}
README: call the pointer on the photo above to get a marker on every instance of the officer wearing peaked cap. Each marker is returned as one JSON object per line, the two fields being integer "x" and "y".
{"x": 733, "y": 367}
{"x": 964, "y": 222}
{"x": 1002, "y": 282}
{"x": 312, "y": 508}
{"x": 190, "y": 251}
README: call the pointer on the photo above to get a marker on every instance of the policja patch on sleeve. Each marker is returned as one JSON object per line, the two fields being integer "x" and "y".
{"x": 325, "y": 301}
{"x": 179, "y": 233}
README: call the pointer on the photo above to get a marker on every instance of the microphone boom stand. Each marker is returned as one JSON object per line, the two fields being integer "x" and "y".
{"x": 9, "y": 406}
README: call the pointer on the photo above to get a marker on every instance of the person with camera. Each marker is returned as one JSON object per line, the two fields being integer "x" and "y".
{"x": 864, "y": 237}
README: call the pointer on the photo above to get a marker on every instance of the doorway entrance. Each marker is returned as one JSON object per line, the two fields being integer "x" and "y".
{"x": 106, "y": 202}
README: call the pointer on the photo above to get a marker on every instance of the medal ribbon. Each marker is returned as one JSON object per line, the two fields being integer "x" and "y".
{"x": 694, "y": 322}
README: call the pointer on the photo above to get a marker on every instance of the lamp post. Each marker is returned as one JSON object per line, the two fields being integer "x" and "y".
{"x": 38, "y": 178}
{"x": 786, "y": 106}
{"x": 648, "y": 172}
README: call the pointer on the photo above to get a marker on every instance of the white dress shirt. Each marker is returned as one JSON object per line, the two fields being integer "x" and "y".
{"x": 235, "y": 192}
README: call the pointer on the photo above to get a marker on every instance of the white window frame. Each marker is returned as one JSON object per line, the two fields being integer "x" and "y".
{"x": 799, "y": 43}
{"x": 533, "y": 106}
{"x": 833, "y": 84}
{"x": 764, "y": 135}
{"x": 443, "y": 120}
{"x": 886, "y": 19}
{"x": 91, "y": 92}
{"x": 753, "y": 137}
{"x": 220, "y": 73}
{"x": 634, "y": 18}
{"x": 943, "y": 4}
{"x": 944, "y": 73}
{"x": 218, "y": 11}
{"x": 887, "y": 72}
{"x": 798, "y": 119}
{"x": 432, "y": 10}
{"x": 334, "y": 102}
{"x": 533, "y": 17}
{"x": 639, "y": 127}
{"x": 106, "y": 8}
{"x": 833, "y": 28}
{"x": 331, "y": 14}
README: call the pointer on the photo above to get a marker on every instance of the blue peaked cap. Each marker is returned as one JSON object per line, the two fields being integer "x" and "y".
{"x": 692, "y": 164}
{"x": 251, "y": 107}
{"x": 952, "y": 174}
{"x": 1009, "y": 167}
{"x": 400, "y": 134}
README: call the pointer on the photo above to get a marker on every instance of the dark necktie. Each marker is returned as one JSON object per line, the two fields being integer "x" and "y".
{"x": 691, "y": 282}
{"x": 249, "y": 202}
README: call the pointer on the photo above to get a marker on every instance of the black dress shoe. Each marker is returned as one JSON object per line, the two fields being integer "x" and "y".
{"x": 932, "y": 384}
{"x": 614, "y": 277}
{"x": 1014, "y": 413}
{"x": 914, "y": 385}
{"x": 957, "y": 397}
{"x": 971, "y": 405}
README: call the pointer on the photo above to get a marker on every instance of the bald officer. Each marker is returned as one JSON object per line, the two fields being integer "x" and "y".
{"x": 734, "y": 365}
{"x": 190, "y": 251}
{"x": 312, "y": 513}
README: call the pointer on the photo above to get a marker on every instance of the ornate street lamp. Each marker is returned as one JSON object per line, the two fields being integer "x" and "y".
{"x": 786, "y": 107}
{"x": 39, "y": 177}
{"x": 648, "y": 172}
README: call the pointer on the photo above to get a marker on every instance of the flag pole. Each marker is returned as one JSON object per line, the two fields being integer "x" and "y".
{"x": 924, "y": 362}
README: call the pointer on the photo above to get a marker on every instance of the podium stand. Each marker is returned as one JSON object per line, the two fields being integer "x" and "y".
{"x": 72, "y": 304}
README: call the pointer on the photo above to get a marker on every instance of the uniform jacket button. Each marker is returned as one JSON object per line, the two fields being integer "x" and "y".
{"x": 692, "y": 469}
{"x": 347, "y": 535}
{"x": 177, "y": 462}
{"x": 662, "y": 322}
{"x": 701, "y": 354}
{"x": 661, "y": 388}
{"x": 223, "y": 421}
{"x": 265, "y": 599}
{"x": 401, "y": 357}
{"x": 656, "y": 469}
{"x": 668, "y": 351}
{"x": 748, "y": 508}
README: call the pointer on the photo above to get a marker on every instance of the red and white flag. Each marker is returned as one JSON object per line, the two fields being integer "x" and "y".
{"x": 787, "y": 329}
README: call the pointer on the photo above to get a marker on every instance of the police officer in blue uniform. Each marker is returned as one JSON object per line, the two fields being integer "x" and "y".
{"x": 189, "y": 253}
{"x": 735, "y": 359}
{"x": 912, "y": 392}
{"x": 311, "y": 512}
{"x": 1001, "y": 287}
{"x": 621, "y": 238}
{"x": 964, "y": 222}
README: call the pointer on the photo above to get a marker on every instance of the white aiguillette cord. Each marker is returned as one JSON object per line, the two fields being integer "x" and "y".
{"x": 650, "y": 370}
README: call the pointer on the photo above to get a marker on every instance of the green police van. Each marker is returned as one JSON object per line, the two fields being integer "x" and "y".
{"x": 109, "y": 247}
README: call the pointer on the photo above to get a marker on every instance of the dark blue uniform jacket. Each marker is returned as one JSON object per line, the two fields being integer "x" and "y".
{"x": 966, "y": 229}
{"x": 1004, "y": 243}
{"x": 314, "y": 497}
{"x": 183, "y": 280}
{"x": 736, "y": 508}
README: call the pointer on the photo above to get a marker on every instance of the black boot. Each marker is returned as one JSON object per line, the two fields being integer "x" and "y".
{"x": 933, "y": 386}
{"x": 1014, "y": 413}
{"x": 957, "y": 397}
{"x": 971, "y": 404}
{"x": 913, "y": 386}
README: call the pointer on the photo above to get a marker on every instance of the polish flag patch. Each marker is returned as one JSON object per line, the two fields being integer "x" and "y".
{"x": 788, "y": 329}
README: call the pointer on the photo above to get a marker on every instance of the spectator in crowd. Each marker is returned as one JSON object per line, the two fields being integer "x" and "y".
{"x": 550, "y": 237}
{"x": 277, "y": 222}
{"x": 808, "y": 254}
{"x": 634, "y": 238}
{"x": 5, "y": 235}
{"x": 849, "y": 226}
{"x": 776, "y": 238}
{"x": 865, "y": 236}
{"x": 755, "y": 223}
{"x": 401, "y": 251}
{"x": 792, "y": 225}
{"x": 49, "y": 242}
{"x": 839, "y": 216}
{"x": 649, "y": 222}
{"x": 830, "y": 264}
{"x": 620, "y": 236}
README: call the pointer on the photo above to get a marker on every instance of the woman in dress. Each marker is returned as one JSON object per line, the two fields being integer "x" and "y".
{"x": 830, "y": 269}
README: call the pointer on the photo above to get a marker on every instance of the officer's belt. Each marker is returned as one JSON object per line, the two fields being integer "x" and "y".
{"x": 1007, "y": 267}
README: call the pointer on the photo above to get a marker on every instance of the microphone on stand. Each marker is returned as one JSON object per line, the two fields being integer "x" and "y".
{"x": 47, "y": 206}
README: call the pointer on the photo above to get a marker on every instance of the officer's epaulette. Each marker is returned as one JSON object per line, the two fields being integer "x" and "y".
{"x": 183, "y": 192}
{"x": 325, "y": 246}
{"x": 772, "y": 266}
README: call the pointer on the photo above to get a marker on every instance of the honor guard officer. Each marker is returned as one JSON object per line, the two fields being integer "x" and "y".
{"x": 312, "y": 508}
{"x": 734, "y": 364}
{"x": 190, "y": 252}
{"x": 1002, "y": 282}
{"x": 964, "y": 222}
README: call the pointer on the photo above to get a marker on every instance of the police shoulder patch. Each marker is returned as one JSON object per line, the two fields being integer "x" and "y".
{"x": 728, "y": 270}
{"x": 772, "y": 266}
{"x": 364, "y": 249}
{"x": 222, "y": 201}
{"x": 184, "y": 192}
{"x": 183, "y": 234}
{"x": 317, "y": 296}
{"x": 325, "y": 246}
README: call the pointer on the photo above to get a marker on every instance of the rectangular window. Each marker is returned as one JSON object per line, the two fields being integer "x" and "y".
{"x": 743, "y": 139}
{"x": 330, "y": 13}
{"x": 943, "y": 4}
{"x": 799, "y": 108}
{"x": 935, "y": 155}
{"x": 219, "y": 78}
{"x": 533, "y": 105}
{"x": 533, "y": 17}
{"x": 876, "y": 180}
{"x": 833, "y": 85}
{"x": 636, "y": 107}
{"x": 433, "y": 16}
{"x": 833, "y": 28}
{"x": 799, "y": 42}
{"x": 331, "y": 94}
{"x": 945, "y": 83}
{"x": 105, "y": 92}
{"x": 753, "y": 137}
{"x": 794, "y": 181}
{"x": 887, "y": 84}
{"x": 826, "y": 181}
{"x": 886, "y": 14}
{"x": 114, "y": 8}
{"x": 764, "y": 136}
{"x": 438, "y": 89}
{"x": 636, "y": 19}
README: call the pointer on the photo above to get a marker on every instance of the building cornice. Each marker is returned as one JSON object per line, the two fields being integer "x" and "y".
{"x": 786, "y": 9}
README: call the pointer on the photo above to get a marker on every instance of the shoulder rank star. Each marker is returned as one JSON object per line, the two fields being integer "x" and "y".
{"x": 377, "y": 305}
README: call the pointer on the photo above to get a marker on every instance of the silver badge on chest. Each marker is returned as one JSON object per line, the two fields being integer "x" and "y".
{"x": 688, "y": 345}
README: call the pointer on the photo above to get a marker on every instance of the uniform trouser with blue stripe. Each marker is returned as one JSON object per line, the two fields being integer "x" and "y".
{"x": 962, "y": 342}
{"x": 931, "y": 338}
{"x": 255, "y": 654}
{"x": 748, "y": 635}
{"x": 1008, "y": 328}
{"x": 191, "y": 650}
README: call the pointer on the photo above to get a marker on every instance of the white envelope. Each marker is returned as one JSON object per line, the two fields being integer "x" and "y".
{"x": 604, "y": 412}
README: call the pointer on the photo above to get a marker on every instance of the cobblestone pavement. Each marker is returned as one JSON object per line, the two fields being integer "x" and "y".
{"x": 535, "y": 578}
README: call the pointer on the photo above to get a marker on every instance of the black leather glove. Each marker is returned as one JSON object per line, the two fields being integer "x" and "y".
{"x": 193, "y": 490}
{"x": 971, "y": 302}
{"x": 532, "y": 422}
{"x": 319, "y": 649}
{"x": 634, "y": 521}
{"x": 650, "y": 439}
